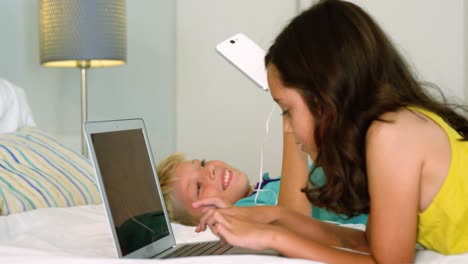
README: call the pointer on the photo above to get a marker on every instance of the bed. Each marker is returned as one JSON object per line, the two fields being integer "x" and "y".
{"x": 50, "y": 208}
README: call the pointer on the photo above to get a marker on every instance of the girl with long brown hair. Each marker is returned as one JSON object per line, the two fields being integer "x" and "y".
{"x": 387, "y": 147}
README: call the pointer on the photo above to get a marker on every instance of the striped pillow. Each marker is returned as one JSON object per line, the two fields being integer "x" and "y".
{"x": 36, "y": 171}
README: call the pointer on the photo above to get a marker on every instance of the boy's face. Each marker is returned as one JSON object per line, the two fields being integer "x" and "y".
{"x": 197, "y": 179}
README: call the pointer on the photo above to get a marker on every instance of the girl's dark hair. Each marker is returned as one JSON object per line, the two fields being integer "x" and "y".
{"x": 349, "y": 74}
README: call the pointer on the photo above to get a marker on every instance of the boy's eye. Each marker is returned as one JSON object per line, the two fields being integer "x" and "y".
{"x": 203, "y": 163}
{"x": 198, "y": 189}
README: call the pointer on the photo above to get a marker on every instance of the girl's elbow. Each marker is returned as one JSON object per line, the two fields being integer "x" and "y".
{"x": 392, "y": 258}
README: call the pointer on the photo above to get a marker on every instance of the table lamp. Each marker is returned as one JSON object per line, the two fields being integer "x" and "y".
{"x": 82, "y": 34}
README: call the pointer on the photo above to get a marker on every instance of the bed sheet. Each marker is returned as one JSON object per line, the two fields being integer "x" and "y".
{"x": 82, "y": 235}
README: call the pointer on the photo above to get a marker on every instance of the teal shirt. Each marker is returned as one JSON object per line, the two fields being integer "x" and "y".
{"x": 269, "y": 196}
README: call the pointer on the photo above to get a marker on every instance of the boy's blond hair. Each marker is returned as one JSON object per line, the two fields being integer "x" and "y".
{"x": 166, "y": 169}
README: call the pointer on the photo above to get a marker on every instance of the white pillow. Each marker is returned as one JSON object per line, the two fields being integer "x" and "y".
{"x": 14, "y": 109}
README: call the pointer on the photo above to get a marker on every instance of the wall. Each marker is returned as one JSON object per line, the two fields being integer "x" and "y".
{"x": 144, "y": 87}
{"x": 465, "y": 55}
{"x": 191, "y": 99}
{"x": 431, "y": 35}
{"x": 221, "y": 115}
{"x": 19, "y": 60}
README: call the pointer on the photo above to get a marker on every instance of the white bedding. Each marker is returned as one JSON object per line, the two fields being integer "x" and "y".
{"x": 14, "y": 108}
{"x": 82, "y": 235}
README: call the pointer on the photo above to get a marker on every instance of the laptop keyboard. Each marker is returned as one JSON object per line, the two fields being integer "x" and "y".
{"x": 199, "y": 249}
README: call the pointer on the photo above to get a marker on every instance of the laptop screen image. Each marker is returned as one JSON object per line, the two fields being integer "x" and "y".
{"x": 134, "y": 205}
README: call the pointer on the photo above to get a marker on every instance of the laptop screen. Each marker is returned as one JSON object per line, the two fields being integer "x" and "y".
{"x": 136, "y": 209}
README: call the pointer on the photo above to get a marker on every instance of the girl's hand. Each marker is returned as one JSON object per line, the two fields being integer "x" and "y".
{"x": 211, "y": 202}
{"x": 260, "y": 214}
{"x": 242, "y": 232}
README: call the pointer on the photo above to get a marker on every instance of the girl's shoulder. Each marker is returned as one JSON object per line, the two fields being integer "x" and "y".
{"x": 401, "y": 124}
{"x": 405, "y": 132}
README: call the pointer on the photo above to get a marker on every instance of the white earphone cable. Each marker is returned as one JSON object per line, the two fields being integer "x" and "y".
{"x": 258, "y": 190}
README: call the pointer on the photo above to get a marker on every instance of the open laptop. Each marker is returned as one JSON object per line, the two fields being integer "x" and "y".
{"x": 130, "y": 189}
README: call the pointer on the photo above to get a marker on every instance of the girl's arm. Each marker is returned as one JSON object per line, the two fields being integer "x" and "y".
{"x": 293, "y": 245}
{"x": 242, "y": 233}
{"x": 294, "y": 175}
{"x": 395, "y": 158}
{"x": 327, "y": 234}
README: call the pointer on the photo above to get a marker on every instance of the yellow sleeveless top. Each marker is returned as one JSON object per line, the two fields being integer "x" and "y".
{"x": 443, "y": 226}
